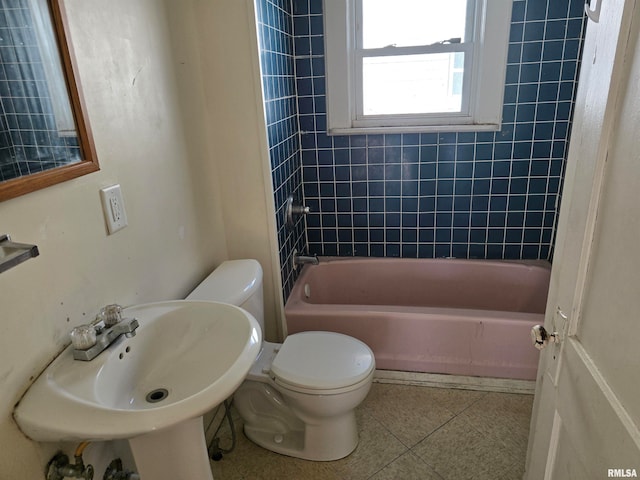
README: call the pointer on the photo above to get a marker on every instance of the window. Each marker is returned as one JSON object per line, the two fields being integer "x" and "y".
{"x": 415, "y": 65}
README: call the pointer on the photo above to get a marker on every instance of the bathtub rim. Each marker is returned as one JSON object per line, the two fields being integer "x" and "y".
{"x": 498, "y": 261}
{"x": 296, "y": 299}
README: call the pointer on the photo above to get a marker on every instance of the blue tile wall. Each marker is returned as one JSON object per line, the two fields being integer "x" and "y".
{"x": 29, "y": 140}
{"x": 275, "y": 32}
{"x": 469, "y": 195}
{"x": 8, "y": 167}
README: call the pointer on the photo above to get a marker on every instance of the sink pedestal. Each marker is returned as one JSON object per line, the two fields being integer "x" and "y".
{"x": 171, "y": 453}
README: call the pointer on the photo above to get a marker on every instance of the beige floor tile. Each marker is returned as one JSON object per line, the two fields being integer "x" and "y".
{"x": 407, "y": 467}
{"x": 516, "y": 472}
{"x": 504, "y": 417}
{"x": 376, "y": 449}
{"x": 273, "y": 466}
{"x": 457, "y": 451}
{"x": 486, "y": 440}
{"x": 411, "y": 413}
{"x": 224, "y": 470}
{"x": 457, "y": 400}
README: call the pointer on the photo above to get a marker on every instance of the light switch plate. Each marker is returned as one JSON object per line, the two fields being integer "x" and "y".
{"x": 113, "y": 207}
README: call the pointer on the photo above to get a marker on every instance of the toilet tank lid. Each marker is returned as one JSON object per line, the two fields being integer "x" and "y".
{"x": 323, "y": 360}
{"x": 234, "y": 282}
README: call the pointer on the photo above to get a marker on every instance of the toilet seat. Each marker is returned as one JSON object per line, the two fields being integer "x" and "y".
{"x": 322, "y": 363}
{"x": 283, "y": 386}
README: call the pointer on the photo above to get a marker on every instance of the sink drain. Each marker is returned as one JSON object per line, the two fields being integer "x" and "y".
{"x": 157, "y": 395}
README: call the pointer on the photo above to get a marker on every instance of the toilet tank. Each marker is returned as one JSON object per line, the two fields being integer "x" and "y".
{"x": 238, "y": 282}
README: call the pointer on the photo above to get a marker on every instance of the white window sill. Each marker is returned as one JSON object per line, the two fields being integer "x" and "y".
{"x": 492, "y": 127}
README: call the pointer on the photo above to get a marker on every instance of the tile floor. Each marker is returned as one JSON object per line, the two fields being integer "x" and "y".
{"x": 406, "y": 433}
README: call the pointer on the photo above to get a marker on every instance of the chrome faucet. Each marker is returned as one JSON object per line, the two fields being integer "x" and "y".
{"x": 304, "y": 259}
{"x": 90, "y": 340}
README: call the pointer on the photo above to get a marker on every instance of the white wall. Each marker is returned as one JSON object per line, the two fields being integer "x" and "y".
{"x": 140, "y": 69}
{"x": 233, "y": 100}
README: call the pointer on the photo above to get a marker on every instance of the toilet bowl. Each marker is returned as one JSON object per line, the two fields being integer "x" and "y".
{"x": 299, "y": 396}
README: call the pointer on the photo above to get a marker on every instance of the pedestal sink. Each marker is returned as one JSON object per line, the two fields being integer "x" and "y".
{"x": 152, "y": 389}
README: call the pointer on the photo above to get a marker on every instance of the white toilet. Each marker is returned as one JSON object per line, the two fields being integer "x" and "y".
{"x": 299, "y": 397}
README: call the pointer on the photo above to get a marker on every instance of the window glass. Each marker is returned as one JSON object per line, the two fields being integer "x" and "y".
{"x": 411, "y": 84}
{"x": 404, "y": 23}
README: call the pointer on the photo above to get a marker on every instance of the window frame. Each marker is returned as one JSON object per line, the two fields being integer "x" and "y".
{"x": 486, "y": 67}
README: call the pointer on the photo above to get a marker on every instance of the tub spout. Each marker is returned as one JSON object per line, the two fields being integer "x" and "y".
{"x": 304, "y": 259}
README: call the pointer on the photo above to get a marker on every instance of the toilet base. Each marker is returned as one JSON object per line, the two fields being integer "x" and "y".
{"x": 307, "y": 423}
{"x": 330, "y": 440}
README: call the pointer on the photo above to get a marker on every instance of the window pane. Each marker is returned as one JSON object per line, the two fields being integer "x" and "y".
{"x": 412, "y": 84}
{"x": 412, "y": 22}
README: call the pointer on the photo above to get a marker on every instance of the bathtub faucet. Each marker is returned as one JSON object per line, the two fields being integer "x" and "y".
{"x": 304, "y": 259}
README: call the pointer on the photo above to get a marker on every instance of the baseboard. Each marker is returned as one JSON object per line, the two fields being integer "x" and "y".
{"x": 504, "y": 385}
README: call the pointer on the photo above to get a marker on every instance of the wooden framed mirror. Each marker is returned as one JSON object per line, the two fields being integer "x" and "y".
{"x": 45, "y": 136}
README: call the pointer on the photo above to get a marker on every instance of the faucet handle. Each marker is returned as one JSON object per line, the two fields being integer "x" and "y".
{"x": 83, "y": 337}
{"x": 110, "y": 315}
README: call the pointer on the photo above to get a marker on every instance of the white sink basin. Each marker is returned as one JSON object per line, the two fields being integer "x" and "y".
{"x": 195, "y": 353}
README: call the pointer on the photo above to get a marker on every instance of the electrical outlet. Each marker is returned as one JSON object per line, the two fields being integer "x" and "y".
{"x": 113, "y": 208}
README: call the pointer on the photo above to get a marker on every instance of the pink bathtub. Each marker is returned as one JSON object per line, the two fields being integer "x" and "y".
{"x": 462, "y": 317}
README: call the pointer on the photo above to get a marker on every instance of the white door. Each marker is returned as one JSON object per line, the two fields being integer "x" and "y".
{"x": 586, "y": 417}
